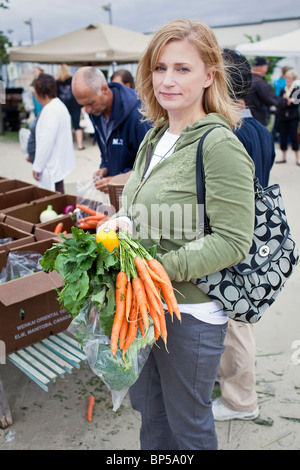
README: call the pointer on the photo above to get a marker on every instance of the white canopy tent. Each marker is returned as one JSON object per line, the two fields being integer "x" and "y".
{"x": 284, "y": 45}
{"x": 96, "y": 44}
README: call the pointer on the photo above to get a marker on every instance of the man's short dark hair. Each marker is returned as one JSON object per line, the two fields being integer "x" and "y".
{"x": 239, "y": 74}
{"x": 258, "y": 61}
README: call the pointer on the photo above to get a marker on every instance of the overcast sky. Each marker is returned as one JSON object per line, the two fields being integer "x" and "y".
{"x": 52, "y": 18}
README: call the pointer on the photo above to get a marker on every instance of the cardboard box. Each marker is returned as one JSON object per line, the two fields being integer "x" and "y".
{"x": 19, "y": 237}
{"x": 29, "y": 310}
{"x": 115, "y": 189}
{"x": 10, "y": 185}
{"x": 11, "y": 199}
{"x": 27, "y": 216}
{"x": 46, "y": 230}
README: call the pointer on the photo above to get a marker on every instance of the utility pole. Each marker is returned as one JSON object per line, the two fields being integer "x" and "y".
{"x": 29, "y": 23}
{"x": 108, "y": 8}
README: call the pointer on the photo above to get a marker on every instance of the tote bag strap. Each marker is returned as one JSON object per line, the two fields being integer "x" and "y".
{"x": 200, "y": 182}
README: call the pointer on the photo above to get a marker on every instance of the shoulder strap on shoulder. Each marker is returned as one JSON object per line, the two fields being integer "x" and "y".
{"x": 200, "y": 181}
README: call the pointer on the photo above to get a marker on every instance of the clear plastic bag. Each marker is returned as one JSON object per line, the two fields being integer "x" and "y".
{"x": 27, "y": 98}
{"x": 24, "y": 135}
{"x": 5, "y": 240}
{"x": 117, "y": 375}
{"x": 86, "y": 191}
{"x": 20, "y": 264}
{"x": 88, "y": 195}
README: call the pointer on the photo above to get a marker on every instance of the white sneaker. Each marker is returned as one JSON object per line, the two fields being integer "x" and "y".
{"x": 222, "y": 413}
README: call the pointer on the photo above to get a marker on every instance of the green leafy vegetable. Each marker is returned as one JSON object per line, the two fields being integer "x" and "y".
{"x": 88, "y": 271}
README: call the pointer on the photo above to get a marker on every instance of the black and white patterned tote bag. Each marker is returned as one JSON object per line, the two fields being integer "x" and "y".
{"x": 246, "y": 290}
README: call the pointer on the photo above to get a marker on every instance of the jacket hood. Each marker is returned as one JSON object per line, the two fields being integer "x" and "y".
{"x": 125, "y": 100}
{"x": 191, "y": 134}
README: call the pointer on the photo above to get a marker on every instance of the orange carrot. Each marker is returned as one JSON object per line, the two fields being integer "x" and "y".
{"x": 156, "y": 333}
{"x": 129, "y": 294}
{"x": 144, "y": 275}
{"x": 90, "y": 407}
{"x": 141, "y": 300}
{"x": 128, "y": 302}
{"x": 92, "y": 217}
{"x": 88, "y": 210}
{"x": 123, "y": 332}
{"x": 155, "y": 318}
{"x": 166, "y": 287}
{"x": 132, "y": 327}
{"x": 58, "y": 228}
{"x": 156, "y": 277}
{"x": 120, "y": 299}
{"x": 64, "y": 232}
{"x": 141, "y": 326}
{"x": 152, "y": 294}
{"x": 91, "y": 224}
{"x": 157, "y": 286}
{"x": 163, "y": 328}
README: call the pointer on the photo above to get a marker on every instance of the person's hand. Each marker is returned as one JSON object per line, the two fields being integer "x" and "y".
{"x": 36, "y": 175}
{"x": 102, "y": 184}
{"x": 100, "y": 173}
{"x": 101, "y": 180}
{"x": 119, "y": 224}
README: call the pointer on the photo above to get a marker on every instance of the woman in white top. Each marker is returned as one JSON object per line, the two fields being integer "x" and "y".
{"x": 54, "y": 158}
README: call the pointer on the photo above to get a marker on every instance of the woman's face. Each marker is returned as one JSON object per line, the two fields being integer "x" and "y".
{"x": 179, "y": 81}
{"x": 289, "y": 81}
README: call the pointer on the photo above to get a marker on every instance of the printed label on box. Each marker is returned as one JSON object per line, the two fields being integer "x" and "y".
{"x": 40, "y": 323}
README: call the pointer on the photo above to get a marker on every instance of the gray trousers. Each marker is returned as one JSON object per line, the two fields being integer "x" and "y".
{"x": 173, "y": 392}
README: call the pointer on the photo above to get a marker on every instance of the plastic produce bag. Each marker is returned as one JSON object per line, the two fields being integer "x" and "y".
{"x": 24, "y": 135}
{"x": 27, "y": 98}
{"x": 20, "y": 264}
{"x": 117, "y": 374}
{"x": 5, "y": 240}
{"x": 86, "y": 191}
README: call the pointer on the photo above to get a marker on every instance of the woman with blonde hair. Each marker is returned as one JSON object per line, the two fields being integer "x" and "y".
{"x": 183, "y": 87}
{"x": 64, "y": 93}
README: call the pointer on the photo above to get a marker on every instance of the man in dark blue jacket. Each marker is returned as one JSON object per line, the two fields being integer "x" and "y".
{"x": 255, "y": 137}
{"x": 114, "y": 112}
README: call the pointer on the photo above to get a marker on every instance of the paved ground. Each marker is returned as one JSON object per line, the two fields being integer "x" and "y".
{"x": 57, "y": 419}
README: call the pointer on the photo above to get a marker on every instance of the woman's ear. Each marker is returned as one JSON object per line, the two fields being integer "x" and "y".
{"x": 209, "y": 78}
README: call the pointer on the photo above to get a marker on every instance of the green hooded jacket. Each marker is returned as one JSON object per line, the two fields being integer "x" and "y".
{"x": 164, "y": 211}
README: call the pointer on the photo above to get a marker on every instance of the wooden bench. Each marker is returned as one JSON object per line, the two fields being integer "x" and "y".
{"x": 43, "y": 362}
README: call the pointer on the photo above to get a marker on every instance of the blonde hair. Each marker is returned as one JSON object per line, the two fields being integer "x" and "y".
{"x": 216, "y": 98}
{"x": 63, "y": 73}
{"x": 291, "y": 73}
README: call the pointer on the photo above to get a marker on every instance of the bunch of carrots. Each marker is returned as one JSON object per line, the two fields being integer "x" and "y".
{"x": 142, "y": 284}
{"x": 93, "y": 218}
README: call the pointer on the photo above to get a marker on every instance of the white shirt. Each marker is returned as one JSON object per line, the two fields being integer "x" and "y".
{"x": 54, "y": 157}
